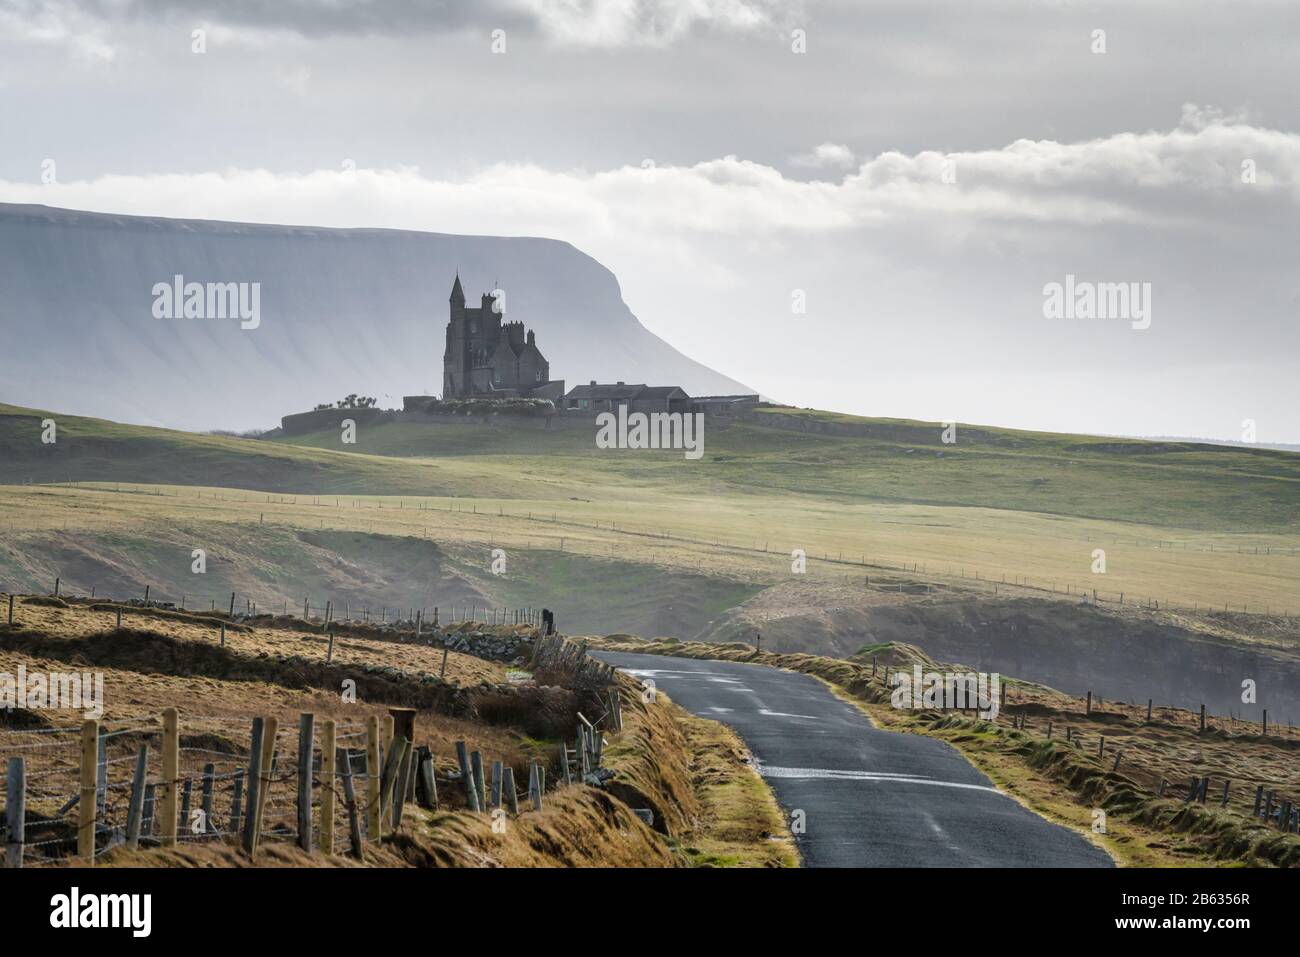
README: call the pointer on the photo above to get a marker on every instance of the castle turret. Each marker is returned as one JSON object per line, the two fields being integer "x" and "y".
{"x": 485, "y": 354}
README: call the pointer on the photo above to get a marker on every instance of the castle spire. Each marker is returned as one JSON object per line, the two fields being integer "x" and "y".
{"x": 457, "y": 294}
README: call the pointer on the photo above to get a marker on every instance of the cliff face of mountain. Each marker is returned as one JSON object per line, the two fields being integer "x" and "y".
{"x": 338, "y": 311}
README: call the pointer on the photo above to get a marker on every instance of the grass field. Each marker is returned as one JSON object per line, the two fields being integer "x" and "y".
{"x": 649, "y": 533}
{"x": 987, "y": 548}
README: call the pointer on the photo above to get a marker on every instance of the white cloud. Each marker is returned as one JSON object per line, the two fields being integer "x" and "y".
{"x": 1177, "y": 177}
{"x": 612, "y": 23}
{"x": 916, "y": 287}
{"x": 826, "y": 155}
{"x": 582, "y": 23}
{"x": 58, "y": 24}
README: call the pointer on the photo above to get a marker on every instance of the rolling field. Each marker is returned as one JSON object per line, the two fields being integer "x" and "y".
{"x": 424, "y": 504}
{"x": 981, "y": 553}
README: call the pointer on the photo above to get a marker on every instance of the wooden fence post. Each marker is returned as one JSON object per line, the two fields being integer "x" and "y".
{"x": 268, "y": 769}
{"x": 329, "y": 734}
{"x": 373, "y": 818}
{"x": 535, "y": 784}
{"x": 171, "y": 775}
{"x": 209, "y": 777}
{"x": 254, "y": 786}
{"x": 403, "y": 723}
{"x": 480, "y": 786}
{"x": 584, "y": 754}
{"x": 89, "y": 786}
{"x": 426, "y": 781}
{"x": 615, "y": 709}
{"x": 147, "y": 817}
{"x": 564, "y": 763}
{"x": 135, "y": 806}
{"x": 350, "y": 798}
{"x": 15, "y": 805}
{"x": 403, "y": 780}
{"x": 11, "y": 609}
{"x": 387, "y": 728}
{"x": 306, "y": 740}
{"x": 512, "y": 797}
{"x": 101, "y": 775}
{"x": 387, "y": 789}
{"x": 497, "y": 775}
{"x": 467, "y": 776}
{"x": 235, "y": 800}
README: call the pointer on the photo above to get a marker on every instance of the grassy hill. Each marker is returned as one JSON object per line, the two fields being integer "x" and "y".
{"x": 1182, "y": 485}
{"x": 652, "y": 541}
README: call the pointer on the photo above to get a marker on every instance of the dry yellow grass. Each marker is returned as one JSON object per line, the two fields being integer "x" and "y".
{"x": 710, "y": 801}
{"x": 745, "y": 537}
{"x": 81, "y": 620}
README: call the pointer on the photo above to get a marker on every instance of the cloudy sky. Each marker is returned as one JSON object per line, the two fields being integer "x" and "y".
{"x": 867, "y": 225}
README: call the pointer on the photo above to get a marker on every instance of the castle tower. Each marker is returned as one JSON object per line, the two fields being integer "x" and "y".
{"x": 484, "y": 354}
{"x": 455, "y": 360}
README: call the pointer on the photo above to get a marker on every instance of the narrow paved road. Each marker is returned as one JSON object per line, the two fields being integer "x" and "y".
{"x": 870, "y": 798}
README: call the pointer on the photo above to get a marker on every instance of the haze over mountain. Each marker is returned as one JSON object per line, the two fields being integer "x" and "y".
{"x": 341, "y": 311}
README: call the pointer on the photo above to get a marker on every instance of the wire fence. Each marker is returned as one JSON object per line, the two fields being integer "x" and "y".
{"x": 82, "y": 791}
{"x": 980, "y": 578}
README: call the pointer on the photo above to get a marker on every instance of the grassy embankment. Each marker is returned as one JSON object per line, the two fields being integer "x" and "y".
{"x": 277, "y": 668}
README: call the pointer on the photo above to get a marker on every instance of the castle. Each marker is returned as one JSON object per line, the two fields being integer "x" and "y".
{"x": 486, "y": 356}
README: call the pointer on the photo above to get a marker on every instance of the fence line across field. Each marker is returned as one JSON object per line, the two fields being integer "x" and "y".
{"x": 838, "y": 558}
{"x": 118, "y": 783}
{"x": 1269, "y": 804}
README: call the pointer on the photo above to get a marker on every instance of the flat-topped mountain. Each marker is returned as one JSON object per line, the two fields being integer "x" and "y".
{"x": 88, "y": 328}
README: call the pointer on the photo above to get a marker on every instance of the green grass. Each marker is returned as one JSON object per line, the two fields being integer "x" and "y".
{"x": 896, "y": 461}
{"x": 1181, "y": 485}
{"x": 1000, "y": 503}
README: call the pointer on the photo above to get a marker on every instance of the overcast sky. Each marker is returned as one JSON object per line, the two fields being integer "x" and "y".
{"x": 725, "y": 177}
